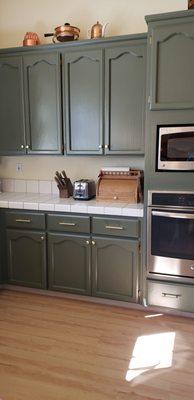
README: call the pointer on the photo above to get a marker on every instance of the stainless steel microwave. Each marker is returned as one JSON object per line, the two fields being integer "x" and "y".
{"x": 175, "y": 148}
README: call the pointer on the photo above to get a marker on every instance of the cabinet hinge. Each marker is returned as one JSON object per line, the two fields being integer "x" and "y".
{"x": 150, "y": 40}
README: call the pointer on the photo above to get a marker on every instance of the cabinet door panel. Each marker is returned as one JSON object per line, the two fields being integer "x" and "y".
{"x": 26, "y": 253}
{"x": 115, "y": 268}
{"x": 11, "y": 106}
{"x": 172, "y": 64}
{"x": 83, "y": 101}
{"x": 69, "y": 263}
{"x": 125, "y": 99}
{"x": 42, "y": 101}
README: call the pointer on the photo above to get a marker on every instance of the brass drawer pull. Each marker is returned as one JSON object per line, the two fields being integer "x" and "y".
{"x": 67, "y": 223}
{"x": 171, "y": 295}
{"x": 23, "y": 220}
{"x": 119, "y": 228}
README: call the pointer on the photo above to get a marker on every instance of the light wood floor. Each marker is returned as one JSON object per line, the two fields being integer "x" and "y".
{"x": 60, "y": 349}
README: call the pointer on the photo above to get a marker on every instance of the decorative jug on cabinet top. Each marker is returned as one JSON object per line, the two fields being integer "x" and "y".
{"x": 98, "y": 30}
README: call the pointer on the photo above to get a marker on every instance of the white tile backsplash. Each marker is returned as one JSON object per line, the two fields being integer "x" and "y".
{"x": 20, "y": 186}
{"x": 32, "y": 186}
{"x": 8, "y": 185}
{"x": 45, "y": 187}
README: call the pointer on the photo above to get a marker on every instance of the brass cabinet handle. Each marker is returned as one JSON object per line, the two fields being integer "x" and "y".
{"x": 27, "y": 146}
{"x": 106, "y": 146}
{"x": 22, "y": 146}
{"x": 42, "y": 237}
{"x": 87, "y": 242}
{"x": 171, "y": 295}
{"x": 119, "y": 228}
{"x": 93, "y": 243}
{"x": 27, "y": 221}
{"x": 100, "y": 146}
{"x": 67, "y": 223}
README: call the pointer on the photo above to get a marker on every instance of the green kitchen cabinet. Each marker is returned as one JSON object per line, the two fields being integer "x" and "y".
{"x": 170, "y": 49}
{"x": 125, "y": 83}
{"x": 69, "y": 263}
{"x": 26, "y": 258}
{"x": 83, "y": 101}
{"x": 12, "y": 125}
{"x": 42, "y": 103}
{"x": 115, "y": 264}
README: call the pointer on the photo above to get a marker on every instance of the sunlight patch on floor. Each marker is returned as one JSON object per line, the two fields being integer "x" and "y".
{"x": 151, "y": 352}
{"x": 153, "y": 315}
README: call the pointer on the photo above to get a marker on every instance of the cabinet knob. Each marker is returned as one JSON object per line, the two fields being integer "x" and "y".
{"x": 42, "y": 237}
{"x": 106, "y": 146}
{"x": 87, "y": 242}
{"x": 100, "y": 146}
{"x": 27, "y": 146}
{"x": 93, "y": 243}
{"x": 22, "y": 146}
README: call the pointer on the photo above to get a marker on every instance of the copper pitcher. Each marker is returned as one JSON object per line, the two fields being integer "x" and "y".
{"x": 98, "y": 30}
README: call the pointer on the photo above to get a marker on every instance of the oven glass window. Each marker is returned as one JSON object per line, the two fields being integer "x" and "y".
{"x": 172, "y": 237}
{"x": 177, "y": 147}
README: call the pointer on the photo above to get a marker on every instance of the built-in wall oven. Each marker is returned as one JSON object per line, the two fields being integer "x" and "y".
{"x": 170, "y": 242}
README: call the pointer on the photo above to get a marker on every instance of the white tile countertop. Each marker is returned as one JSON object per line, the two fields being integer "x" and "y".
{"x": 52, "y": 202}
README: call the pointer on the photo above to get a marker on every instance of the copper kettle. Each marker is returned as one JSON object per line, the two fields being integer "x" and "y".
{"x": 98, "y": 30}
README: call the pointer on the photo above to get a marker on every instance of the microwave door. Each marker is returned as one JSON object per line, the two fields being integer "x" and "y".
{"x": 175, "y": 149}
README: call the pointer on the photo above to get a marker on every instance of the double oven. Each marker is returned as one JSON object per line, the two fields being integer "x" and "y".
{"x": 170, "y": 225}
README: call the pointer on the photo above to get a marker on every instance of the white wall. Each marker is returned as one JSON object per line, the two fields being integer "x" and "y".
{"x": 124, "y": 17}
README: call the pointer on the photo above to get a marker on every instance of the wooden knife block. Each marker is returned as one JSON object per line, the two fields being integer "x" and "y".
{"x": 120, "y": 187}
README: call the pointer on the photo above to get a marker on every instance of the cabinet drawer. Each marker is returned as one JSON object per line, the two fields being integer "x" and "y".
{"x": 25, "y": 220}
{"x": 180, "y": 297}
{"x": 68, "y": 223}
{"x": 115, "y": 227}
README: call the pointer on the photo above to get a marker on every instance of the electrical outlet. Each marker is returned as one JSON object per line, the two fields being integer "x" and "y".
{"x": 19, "y": 167}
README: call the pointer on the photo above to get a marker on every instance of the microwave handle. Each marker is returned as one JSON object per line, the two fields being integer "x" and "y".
{"x": 172, "y": 215}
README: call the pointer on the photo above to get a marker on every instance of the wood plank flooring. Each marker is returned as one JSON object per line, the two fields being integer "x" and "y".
{"x": 60, "y": 349}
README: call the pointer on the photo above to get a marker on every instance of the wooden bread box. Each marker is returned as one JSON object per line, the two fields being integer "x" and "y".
{"x": 120, "y": 186}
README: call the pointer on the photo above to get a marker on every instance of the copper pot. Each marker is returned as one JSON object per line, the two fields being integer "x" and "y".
{"x": 31, "y": 39}
{"x": 190, "y": 3}
{"x": 64, "y": 33}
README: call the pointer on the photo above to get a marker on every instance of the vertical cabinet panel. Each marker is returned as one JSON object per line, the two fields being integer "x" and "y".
{"x": 26, "y": 252}
{"x": 11, "y": 106}
{"x": 125, "y": 80}
{"x": 42, "y": 103}
{"x": 83, "y": 102}
{"x": 69, "y": 263}
{"x": 115, "y": 268}
{"x": 172, "y": 65}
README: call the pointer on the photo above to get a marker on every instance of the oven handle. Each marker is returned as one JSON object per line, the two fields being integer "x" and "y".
{"x": 172, "y": 215}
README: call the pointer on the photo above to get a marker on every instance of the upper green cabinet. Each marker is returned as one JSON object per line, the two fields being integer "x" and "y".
{"x": 125, "y": 82}
{"x": 83, "y": 101}
{"x": 30, "y": 104}
{"x": 171, "y": 43}
{"x": 94, "y": 105}
{"x": 11, "y": 106}
{"x": 42, "y": 103}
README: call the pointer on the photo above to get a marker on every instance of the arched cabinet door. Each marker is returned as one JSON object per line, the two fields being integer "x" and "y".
{"x": 26, "y": 255}
{"x": 115, "y": 264}
{"x": 83, "y": 101}
{"x": 171, "y": 66}
{"x": 43, "y": 103}
{"x": 12, "y": 130}
{"x": 125, "y": 82}
{"x": 69, "y": 263}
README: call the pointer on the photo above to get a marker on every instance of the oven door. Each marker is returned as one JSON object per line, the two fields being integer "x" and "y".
{"x": 175, "y": 148}
{"x": 171, "y": 242}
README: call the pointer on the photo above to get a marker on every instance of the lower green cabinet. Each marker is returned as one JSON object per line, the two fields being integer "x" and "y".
{"x": 26, "y": 252}
{"x": 69, "y": 263}
{"x": 115, "y": 265}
